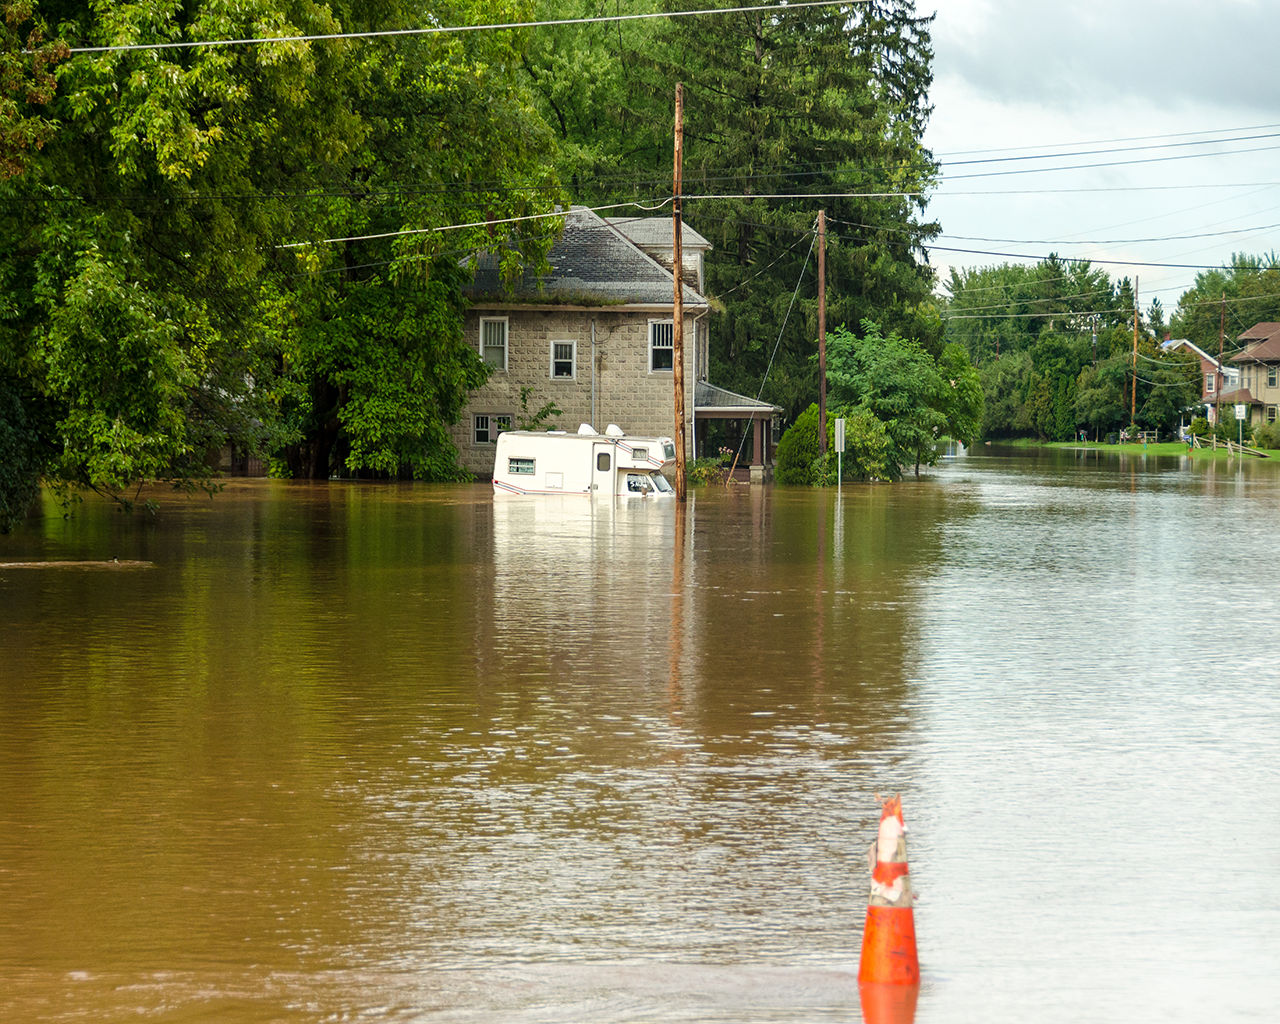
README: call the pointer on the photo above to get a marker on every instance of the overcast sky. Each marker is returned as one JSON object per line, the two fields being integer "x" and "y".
{"x": 1014, "y": 76}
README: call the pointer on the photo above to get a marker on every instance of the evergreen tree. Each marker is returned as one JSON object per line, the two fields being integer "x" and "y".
{"x": 807, "y": 103}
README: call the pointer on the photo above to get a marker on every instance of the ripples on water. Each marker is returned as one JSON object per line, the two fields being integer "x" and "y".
{"x": 419, "y": 754}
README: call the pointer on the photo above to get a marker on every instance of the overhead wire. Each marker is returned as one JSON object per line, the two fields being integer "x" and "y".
{"x": 454, "y": 29}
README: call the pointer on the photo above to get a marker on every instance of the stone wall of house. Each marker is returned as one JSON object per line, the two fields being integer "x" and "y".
{"x": 626, "y": 393}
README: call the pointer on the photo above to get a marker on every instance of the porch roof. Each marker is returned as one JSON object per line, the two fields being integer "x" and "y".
{"x": 713, "y": 402}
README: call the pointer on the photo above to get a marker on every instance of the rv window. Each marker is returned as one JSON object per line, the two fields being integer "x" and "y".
{"x": 668, "y": 451}
{"x": 522, "y": 467}
{"x": 640, "y": 454}
{"x": 660, "y": 483}
{"x": 637, "y": 483}
{"x": 602, "y": 462}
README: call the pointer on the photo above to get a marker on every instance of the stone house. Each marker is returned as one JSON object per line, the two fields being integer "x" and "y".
{"x": 1259, "y": 364}
{"x": 595, "y": 336}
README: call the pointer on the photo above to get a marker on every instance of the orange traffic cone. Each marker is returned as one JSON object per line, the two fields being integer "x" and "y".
{"x": 889, "y": 936}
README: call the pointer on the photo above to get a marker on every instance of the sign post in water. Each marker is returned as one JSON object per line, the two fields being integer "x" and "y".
{"x": 839, "y": 450}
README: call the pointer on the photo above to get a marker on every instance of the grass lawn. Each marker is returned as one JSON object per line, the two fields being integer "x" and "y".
{"x": 1163, "y": 448}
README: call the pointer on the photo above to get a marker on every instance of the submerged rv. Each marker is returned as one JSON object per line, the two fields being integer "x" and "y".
{"x": 557, "y": 462}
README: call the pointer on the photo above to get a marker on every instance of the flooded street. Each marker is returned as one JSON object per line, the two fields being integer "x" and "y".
{"x": 379, "y": 753}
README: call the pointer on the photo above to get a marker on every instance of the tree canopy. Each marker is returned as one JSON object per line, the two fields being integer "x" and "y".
{"x": 1054, "y": 345}
{"x": 212, "y": 245}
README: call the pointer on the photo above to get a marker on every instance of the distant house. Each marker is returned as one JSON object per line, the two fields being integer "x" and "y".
{"x": 1259, "y": 364}
{"x": 595, "y": 336}
{"x": 1216, "y": 380}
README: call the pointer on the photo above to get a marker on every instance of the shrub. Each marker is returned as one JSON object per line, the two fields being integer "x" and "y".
{"x": 707, "y": 470}
{"x": 798, "y": 450}
{"x": 1267, "y": 435}
{"x": 1199, "y": 427}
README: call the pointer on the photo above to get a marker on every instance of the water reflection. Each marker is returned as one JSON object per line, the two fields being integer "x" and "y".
{"x": 419, "y": 754}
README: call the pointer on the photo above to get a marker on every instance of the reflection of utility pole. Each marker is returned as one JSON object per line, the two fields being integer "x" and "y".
{"x": 822, "y": 334}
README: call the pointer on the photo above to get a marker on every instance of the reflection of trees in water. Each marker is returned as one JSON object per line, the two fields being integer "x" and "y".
{"x": 803, "y": 598}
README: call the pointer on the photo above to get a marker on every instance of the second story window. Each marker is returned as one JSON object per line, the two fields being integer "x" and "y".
{"x": 661, "y": 345}
{"x": 1210, "y": 382}
{"x": 563, "y": 360}
{"x": 493, "y": 341}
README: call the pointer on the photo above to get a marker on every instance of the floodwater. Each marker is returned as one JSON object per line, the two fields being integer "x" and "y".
{"x": 375, "y": 753}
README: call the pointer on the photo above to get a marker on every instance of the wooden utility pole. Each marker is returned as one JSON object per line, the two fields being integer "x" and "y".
{"x": 1133, "y": 397}
{"x": 1218, "y": 374}
{"x": 822, "y": 332}
{"x": 677, "y": 272}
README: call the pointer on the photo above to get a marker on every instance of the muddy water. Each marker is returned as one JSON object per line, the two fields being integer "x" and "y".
{"x": 376, "y": 753}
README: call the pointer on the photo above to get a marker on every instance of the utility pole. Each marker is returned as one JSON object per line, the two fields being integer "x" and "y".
{"x": 822, "y": 332}
{"x": 1218, "y": 375}
{"x": 1133, "y": 397}
{"x": 677, "y": 272}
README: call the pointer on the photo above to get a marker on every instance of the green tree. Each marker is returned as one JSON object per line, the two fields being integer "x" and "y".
{"x": 963, "y": 403}
{"x": 1223, "y": 303}
{"x": 1100, "y": 391}
{"x": 169, "y": 277}
{"x": 810, "y": 101}
{"x": 897, "y": 382}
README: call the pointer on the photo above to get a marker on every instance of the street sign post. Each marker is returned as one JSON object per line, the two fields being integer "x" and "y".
{"x": 839, "y": 449}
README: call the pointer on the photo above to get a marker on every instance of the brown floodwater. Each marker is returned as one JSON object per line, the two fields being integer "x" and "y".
{"x": 376, "y": 753}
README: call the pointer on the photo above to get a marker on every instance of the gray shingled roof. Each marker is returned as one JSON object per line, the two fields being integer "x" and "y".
{"x": 656, "y": 232}
{"x": 707, "y": 397}
{"x": 592, "y": 263}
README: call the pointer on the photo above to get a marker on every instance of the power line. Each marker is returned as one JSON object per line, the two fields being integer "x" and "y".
{"x": 459, "y": 227}
{"x": 1122, "y": 149}
{"x": 1132, "y": 138}
{"x": 1074, "y": 259}
{"x": 449, "y": 29}
{"x": 1108, "y": 163}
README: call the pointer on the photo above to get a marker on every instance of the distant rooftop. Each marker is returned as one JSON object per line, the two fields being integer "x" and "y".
{"x": 1265, "y": 344}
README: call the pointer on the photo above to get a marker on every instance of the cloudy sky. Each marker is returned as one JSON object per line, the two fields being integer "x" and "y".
{"x": 1188, "y": 89}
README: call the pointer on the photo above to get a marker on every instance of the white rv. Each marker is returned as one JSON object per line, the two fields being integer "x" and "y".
{"x": 557, "y": 462}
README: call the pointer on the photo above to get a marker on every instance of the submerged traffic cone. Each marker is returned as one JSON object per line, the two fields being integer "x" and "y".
{"x": 889, "y": 936}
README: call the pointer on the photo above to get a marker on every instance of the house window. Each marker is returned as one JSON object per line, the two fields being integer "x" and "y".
{"x": 520, "y": 467}
{"x": 1271, "y": 413}
{"x": 489, "y": 425}
{"x": 493, "y": 342}
{"x": 564, "y": 360}
{"x": 1209, "y": 383}
{"x": 661, "y": 345}
{"x": 1271, "y": 375}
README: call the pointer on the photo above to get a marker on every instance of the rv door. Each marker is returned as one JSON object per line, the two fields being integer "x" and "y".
{"x": 602, "y": 468}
